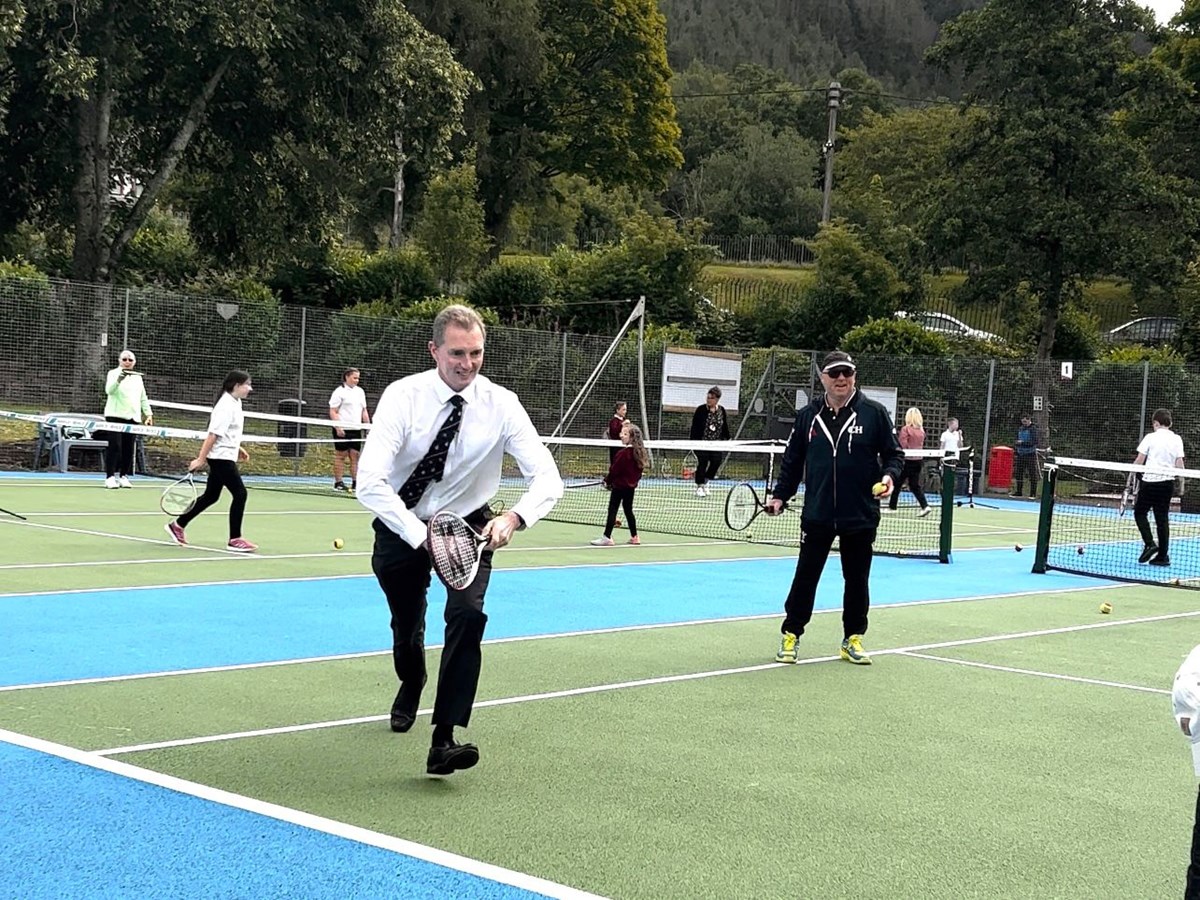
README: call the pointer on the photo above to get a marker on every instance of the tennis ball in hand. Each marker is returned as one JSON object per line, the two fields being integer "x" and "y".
{"x": 338, "y": 544}
{"x": 1105, "y": 608}
{"x": 878, "y": 489}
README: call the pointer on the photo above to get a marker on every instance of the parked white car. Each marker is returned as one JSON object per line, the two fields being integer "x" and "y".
{"x": 948, "y": 326}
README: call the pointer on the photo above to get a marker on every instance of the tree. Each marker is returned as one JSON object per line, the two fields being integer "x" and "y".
{"x": 12, "y": 17}
{"x": 128, "y": 91}
{"x": 1045, "y": 189}
{"x": 570, "y": 87}
{"x": 450, "y": 228}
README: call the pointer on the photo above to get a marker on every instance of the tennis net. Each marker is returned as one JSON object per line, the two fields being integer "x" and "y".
{"x": 282, "y": 456}
{"x": 1088, "y": 523}
{"x": 667, "y": 501}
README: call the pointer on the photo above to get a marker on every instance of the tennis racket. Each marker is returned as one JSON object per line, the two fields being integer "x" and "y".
{"x": 690, "y": 462}
{"x": 179, "y": 497}
{"x": 1129, "y": 494}
{"x": 743, "y": 506}
{"x": 455, "y": 548}
{"x": 576, "y": 485}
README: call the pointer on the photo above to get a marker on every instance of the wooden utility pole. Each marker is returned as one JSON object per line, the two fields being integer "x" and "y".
{"x": 834, "y": 100}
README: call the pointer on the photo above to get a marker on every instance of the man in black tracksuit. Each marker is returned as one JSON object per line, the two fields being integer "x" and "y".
{"x": 842, "y": 445}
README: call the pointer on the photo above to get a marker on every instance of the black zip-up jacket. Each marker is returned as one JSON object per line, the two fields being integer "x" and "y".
{"x": 840, "y": 469}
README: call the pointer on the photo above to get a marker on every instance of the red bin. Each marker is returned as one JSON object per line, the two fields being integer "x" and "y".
{"x": 1000, "y": 468}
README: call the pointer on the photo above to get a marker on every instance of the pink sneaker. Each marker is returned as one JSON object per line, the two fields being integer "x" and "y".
{"x": 635, "y": 540}
{"x": 176, "y": 533}
{"x": 241, "y": 545}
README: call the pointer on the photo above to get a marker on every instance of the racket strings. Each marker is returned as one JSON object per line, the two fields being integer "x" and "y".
{"x": 452, "y": 547}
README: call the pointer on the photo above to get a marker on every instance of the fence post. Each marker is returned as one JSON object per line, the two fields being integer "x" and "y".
{"x": 562, "y": 381}
{"x": 125, "y": 326}
{"x": 987, "y": 425}
{"x": 1145, "y": 391}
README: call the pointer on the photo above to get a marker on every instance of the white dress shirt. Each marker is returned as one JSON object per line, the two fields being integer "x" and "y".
{"x": 407, "y": 420}
{"x": 1185, "y": 701}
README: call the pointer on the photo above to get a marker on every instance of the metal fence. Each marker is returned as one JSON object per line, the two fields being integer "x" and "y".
{"x": 60, "y": 338}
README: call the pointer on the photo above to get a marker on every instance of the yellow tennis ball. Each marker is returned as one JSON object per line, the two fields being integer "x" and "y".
{"x": 338, "y": 544}
{"x": 878, "y": 489}
{"x": 1105, "y": 608}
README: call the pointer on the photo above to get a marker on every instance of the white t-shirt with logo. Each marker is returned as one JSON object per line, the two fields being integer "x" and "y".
{"x": 350, "y": 403}
{"x": 226, "y": 422}
{"x": 1162, "y": 447}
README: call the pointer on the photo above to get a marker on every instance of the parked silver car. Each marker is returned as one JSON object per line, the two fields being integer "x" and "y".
{"x": 1149, "y": 330}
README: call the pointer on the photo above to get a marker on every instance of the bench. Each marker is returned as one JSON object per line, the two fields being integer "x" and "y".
{"x": 60, "y": 440}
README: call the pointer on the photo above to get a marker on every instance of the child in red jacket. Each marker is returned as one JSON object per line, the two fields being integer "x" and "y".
{"x": 622, "y": 480}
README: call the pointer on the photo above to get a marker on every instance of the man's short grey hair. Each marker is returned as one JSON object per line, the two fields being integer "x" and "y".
{"x": 456, "y": 314}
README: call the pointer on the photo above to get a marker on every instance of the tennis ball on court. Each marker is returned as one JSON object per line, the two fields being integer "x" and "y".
{"x": 878, "y": 489}
{"x": 1018, "y": 548}
{"x": 338, "y": 544}
{"x": 1105, "y": 608}
{"x": 1079, "y": 549}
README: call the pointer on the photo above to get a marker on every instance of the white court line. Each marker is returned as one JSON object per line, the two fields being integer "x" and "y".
{"x": 1015, "y": 671}
{"x": 641, "y": 682}
{"x": 327, "y": 554}
{"x": 250, "y": 512}
{"x": 120, "y": 537}
{"x": 304, "y": 820}
{"x": 620, "y": 629}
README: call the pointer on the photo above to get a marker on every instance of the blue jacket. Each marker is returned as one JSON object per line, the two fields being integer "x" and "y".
{"x": 840, "y": 469}
{"x": 1027, "y": 440}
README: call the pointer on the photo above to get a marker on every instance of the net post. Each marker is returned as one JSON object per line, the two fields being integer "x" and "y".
{"x": 946, "y": 532}
{"x": 1045, "y": 515}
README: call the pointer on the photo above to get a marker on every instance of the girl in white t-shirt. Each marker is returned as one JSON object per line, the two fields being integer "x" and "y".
{"x": 221, "y": 452}
{"x": 1162, "y": 448}
{"x": 348, "y": 410}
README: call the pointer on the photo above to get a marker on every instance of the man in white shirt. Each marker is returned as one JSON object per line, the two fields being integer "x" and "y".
{"x": 1163, "y": 449}
{"x": 952, "y": 438}
{"x": 408, "y": 418}
{"x": 1185, "y": 701}
{"x": 348, "y": 410}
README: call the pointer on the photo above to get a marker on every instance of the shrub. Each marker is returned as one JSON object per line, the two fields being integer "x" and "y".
{"x": 894, "y": 337}
{"x": 399, "y": 277}
{"x": 162, "y": 252}
{"x": 518, "y": 290}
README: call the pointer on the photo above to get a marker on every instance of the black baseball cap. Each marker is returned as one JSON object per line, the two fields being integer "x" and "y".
{"x": 837, "y": 359}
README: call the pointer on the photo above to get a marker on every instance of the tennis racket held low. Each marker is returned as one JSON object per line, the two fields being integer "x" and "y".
{"x": 742, "y": 506}
{"x": 455, "y": 549}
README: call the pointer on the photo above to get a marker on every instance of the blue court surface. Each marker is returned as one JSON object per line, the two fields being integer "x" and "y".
{"x": 96, "y": 634}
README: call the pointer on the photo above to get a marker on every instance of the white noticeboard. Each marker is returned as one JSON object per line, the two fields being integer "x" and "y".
{"x": 688, "y": 374}
{"x": 885, "y": 395}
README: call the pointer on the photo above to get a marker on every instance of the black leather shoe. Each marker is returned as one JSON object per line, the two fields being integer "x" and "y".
{"x": 1148, "y": 554}
{"x": 449, "y": 758}
{"x": 1161, "y": 560}
{"x": 404, "y": 712}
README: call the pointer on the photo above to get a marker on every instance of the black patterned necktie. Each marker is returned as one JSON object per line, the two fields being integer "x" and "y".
{"x": 433, "y": 464}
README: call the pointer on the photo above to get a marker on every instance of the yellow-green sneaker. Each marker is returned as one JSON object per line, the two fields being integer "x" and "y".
{"x": 852, "y": 651}
{"x": 787, "y": 648}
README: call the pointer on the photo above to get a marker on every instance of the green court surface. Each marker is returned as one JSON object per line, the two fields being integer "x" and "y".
{"x": 1004, "y": 744}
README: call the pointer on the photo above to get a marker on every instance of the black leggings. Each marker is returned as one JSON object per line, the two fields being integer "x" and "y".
{"x": 622, "y": 497}
{"x": 221, "y": 473}
{"x": 912, "y": 474}
{"x": 118, "y": 458}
